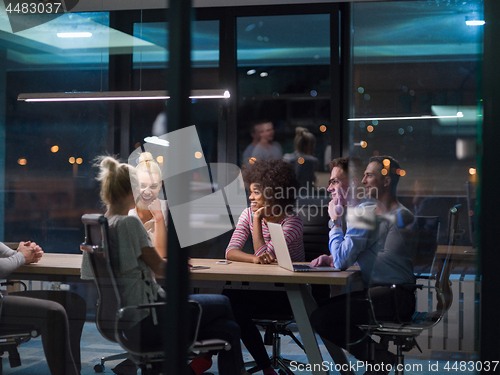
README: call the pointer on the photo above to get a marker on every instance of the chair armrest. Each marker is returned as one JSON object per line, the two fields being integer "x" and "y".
{"x": 120, "y": 336}
{"x": 211, "y": 344}
{"x": 416, "y": 286}
{"x": 12, "y": 282}
{"x": 122, "y": 340}
{"x": 89, "y": 248}
{"x": 123, "y": 310}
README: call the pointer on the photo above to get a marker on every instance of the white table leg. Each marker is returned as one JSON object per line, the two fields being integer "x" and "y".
{"x": 303, "y": 305}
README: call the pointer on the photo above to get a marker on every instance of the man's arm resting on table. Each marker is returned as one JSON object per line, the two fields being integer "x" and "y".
{"x": 10, "y": 260}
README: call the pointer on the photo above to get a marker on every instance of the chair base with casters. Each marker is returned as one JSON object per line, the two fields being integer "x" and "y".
{"x": 12, "y": 337}
{"x": 402, "y": 335}
{"x": 100, "y": 367}
{"x": 273, "y": 330}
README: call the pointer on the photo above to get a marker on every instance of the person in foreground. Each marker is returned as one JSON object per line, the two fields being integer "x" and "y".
{"x": 137, "y": 258}
{"x": 44, "y": 311}
{"x": 272, "y": 196}
{"x": 383, "y": 260}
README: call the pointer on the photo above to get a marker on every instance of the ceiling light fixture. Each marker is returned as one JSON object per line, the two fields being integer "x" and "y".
{"x": 74, "y": 35}
{"x": 474, "y": 20}
{"x": 157, "y": 141}
{"x": 116, "y": 96}
{"x": 458, "y": 115}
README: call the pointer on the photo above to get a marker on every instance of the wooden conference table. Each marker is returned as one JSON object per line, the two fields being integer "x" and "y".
{"x": 66, "y": 268}
{"x": 466, "y": 253}
{"x": 464, "y": 258}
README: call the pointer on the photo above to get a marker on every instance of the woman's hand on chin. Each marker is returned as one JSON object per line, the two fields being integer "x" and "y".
{"x": 260, "y": 213}
{"x": 155, "y": 209}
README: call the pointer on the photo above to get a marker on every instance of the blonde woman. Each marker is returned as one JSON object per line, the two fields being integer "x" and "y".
{"x": 149, "y": 208}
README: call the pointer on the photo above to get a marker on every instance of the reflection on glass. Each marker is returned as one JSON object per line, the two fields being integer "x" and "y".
{"x": 414, "y": 96}
{"x": 48, "y": 148}
{"x": 284, "y": 78}
{"x": 152, "y": 51}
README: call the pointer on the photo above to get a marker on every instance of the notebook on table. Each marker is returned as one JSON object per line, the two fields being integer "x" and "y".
{"x": 283, "y": 255}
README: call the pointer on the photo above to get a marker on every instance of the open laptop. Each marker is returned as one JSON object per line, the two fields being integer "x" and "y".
{"x": 283, "y": 255}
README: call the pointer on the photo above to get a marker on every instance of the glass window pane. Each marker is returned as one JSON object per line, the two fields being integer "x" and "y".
{"x": 148, "y": 118}
{"x": 151, "y": 44}
{"x": 284, "y": 78}
{"x": 427, "y": 66}
{"x": 72, "y": 39}
{"x": 150, "y": 58}
{"x": 48, "y": 148}
{"x": 415, "y": 96}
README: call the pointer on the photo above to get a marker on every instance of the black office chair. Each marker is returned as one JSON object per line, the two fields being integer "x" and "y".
{"x": 315, "y": 220}
{"x": 273, "y": 330}
{"x": 111, "y": 316}
{"x": 422, "y": 241}
{"x": 12, "y": 337}
{"x": 404, "y": 334}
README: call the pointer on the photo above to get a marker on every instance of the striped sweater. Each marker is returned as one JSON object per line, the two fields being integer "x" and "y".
{"x": 292, "y": 228}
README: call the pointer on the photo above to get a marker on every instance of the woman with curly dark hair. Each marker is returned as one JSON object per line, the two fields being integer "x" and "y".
{"x": 272, "y": 185}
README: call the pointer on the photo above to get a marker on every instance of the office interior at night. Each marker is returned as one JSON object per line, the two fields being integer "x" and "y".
{"x": 401, "y": 78}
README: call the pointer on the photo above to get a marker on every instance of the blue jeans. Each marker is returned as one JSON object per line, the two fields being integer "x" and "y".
{"x": 217, "y": 321}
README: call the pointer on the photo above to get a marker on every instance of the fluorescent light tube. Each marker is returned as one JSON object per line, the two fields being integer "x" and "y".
{"x": 458, "y": 115}
{"x": 117, "y": 95}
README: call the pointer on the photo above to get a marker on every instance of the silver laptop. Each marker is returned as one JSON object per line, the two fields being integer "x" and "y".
{"x": 283, "y": 255}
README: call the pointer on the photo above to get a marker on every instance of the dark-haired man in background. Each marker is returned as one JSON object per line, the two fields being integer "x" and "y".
{"x": 266, "y": 147}
{"x": 381, "y": 180}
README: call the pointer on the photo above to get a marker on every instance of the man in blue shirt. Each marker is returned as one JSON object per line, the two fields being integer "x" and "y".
{"x": 383, "y": 259}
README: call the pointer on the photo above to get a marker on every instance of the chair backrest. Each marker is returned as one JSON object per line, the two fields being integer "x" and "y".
{"x": 422, "y": 241}
{"x": 96, "y": 248}
{"x": 315, "y": 219}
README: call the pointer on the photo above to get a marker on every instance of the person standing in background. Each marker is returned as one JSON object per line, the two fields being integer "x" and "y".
{"x": 266, "y": 147}
{"x": 247, "y": 153}
{"x": 302, "y": 159}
